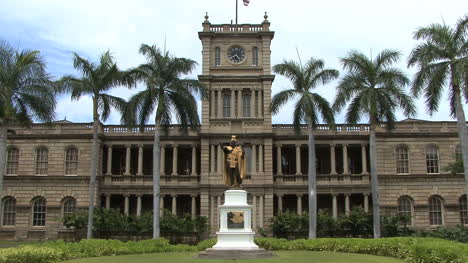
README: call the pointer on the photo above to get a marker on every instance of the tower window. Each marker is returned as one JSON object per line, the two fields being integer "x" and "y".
{"x": 226, "y": 105}
{"x": 42, "y": 160}
{"x": 217, "y": 57}
{"x": 71, "y": 161}
{"x": 246, "y": 105}
{"x": 255, "y": 56}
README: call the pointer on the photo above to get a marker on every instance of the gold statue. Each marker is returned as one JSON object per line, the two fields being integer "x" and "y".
{"x": 234, "y": 163}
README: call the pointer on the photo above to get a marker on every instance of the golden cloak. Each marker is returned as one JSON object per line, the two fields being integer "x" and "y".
{"x": 239, "y": 153}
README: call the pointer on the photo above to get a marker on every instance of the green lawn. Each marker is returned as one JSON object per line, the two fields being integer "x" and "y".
{"x": 283, "y": 256}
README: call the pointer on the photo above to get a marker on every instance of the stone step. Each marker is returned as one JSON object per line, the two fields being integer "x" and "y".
{"x": 235, "y": 253}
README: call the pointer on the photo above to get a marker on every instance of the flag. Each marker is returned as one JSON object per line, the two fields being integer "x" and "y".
{"x": 246, "y": 2}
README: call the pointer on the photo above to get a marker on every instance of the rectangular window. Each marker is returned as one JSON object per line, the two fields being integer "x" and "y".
{"x": 39, "y": 212}
{"x": 12, "y": 161}
{"x": 9, "y": 212}
{"x": 246, "y": 105}
{"x": 402, "y": 160}
{"x": 226, "y": 105}
{"x": 42, "y": 160}
{"x": 432, "y": 160}
{"x": 71, "y": 161}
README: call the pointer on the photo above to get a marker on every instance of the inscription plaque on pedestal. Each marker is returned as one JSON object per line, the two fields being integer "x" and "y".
{"x": 235, "y": 220}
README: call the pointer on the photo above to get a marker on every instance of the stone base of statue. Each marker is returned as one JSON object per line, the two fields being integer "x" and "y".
{"x": 235, "y": 236}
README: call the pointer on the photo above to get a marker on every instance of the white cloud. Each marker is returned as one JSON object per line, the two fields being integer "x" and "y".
{"x": 323, "y": 29}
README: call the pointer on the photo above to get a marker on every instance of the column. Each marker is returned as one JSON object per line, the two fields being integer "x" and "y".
{"x": 212, "y": 213}
{"x": 335, "y": 205}
{"x": 212, "y": 106}
{"x": 299, "y": 204}
{"x": 260, "y": 158}
{"x": 332, "y": 159}
{"x": 109, "y": 160}
{"x": 163, "y": 160}
{"x": 366, "y": 202}
{"x": 140, "y": 159}
{"x": 345, "y": 159}
{"x": 278, "y": 160}
{"x": 138, "y": 212}
{"x": 174, "y": 204}
{"x": 239, "y": 104}
{"x": 212, "y": 158}
{"x": 108, "y": 200}
{"x": 161, "y": 205}
{"x": 254, "y": 159}
{"x": 126, "y": 204}
{"x": 254, "y": 212}
{"x": 127, "y": 159}
{"x": 194, "y": 160}
{"x": 261, "y": 211}
{"x": 259, "y": 103}
{"x": 233, "y": 104}
{"x": 194, "y": 206}
{"x": 298, "y": 159}
{"x": 252, "y": 103}
{"x": 174, "y": 160}
{"x": 347, "y": 209}
{"x": 280, "y": 203}
{"x": 364, "y": 159}
{"x": 220, "y": 104}
{"x": 220, "y": 159}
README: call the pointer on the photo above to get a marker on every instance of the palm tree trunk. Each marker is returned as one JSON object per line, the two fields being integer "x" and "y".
{"x": 156, "y": 180}
{"x": 92, "y": 180}
{"x": 3, "y": 144}
{"x": 374, "y": 181}
{"x": 462, "y": 132}
{"x": 312, "y": 176}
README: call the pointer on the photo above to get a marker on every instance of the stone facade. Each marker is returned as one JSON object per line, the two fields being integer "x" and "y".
{"x": 410, "y": 158}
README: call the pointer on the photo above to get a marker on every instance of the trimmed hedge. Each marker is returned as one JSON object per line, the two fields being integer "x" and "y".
{"x": 412, "y": 250}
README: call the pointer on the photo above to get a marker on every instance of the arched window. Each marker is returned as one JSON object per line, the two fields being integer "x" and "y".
{"x": 458, "y": 153}
{"x": 69, "y": 206}
{"x": 217, "y": 57}
{"x": 432, "y": 159}
{"x": 402, "y": 159}
{"x": 226, "y": 105}
{"x": 12, "y": 161}
{"x": 405, "y": 208}
{"x": 39, "y": 212}
{"x": 436, "y": 211}
{"x": 255, "y": 56}
{"x": 42, "y": 160}
{"x": 71, "y": 161}
{"x": 463, "y": 210}
{"x": 246, "y": 105}
{"x": 9, "y": 211}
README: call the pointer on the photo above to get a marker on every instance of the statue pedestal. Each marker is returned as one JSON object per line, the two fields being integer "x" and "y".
{"x": 235, "y": 230}
{"x": 235, "y": 236}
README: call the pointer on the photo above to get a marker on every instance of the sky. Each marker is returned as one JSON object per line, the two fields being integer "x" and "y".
{"x": 320, "y": 29}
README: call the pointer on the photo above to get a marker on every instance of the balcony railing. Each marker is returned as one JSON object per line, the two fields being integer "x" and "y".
{"x": 322, "y": 179}
{"x": 148, "y": 180}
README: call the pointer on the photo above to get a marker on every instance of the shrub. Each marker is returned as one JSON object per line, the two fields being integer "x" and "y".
{"x": 30, "y": 254}
{"x": 206, "y": 244}
{"x": 458, "y": 233}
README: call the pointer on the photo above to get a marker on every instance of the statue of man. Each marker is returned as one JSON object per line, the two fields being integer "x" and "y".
{"x": 234, "y": 165}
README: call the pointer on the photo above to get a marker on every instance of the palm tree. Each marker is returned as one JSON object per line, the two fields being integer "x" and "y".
{"x": 309, "y": 107}
{"x": 375, "y": 90}
{"x": 26, "y": 94}
{"x": 96, "y": 80}
{"x": 442, "y": 61}
{"x": 166, "y": 93}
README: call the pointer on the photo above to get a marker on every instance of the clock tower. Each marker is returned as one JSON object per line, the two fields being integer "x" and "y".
{"x": 237, "y": 72}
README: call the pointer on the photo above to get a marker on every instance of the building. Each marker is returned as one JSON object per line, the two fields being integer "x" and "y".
{"x": 48, "y": 167}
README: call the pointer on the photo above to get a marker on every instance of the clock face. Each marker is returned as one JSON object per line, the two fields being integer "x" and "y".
{"x": 236, "y": 54}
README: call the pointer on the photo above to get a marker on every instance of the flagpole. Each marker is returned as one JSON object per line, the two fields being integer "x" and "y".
{"x": 236, "y": 11}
